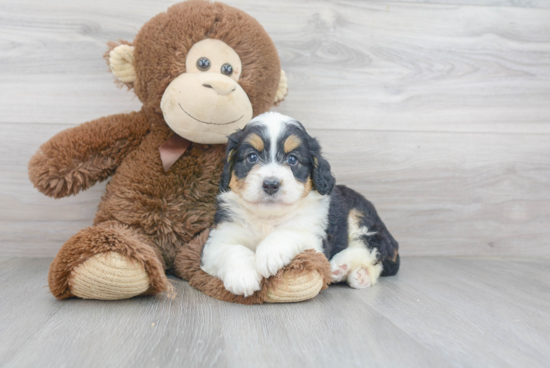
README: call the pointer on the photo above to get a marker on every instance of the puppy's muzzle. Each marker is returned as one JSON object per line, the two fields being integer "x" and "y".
{"x": 271, "y": 185}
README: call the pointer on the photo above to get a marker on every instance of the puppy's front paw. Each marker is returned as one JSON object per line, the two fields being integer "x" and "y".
{"x": 270, "y": 259}
{"x": 243, "y": 281}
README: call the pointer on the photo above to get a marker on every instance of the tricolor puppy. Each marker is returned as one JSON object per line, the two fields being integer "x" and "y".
{"x": 278, "y": 198}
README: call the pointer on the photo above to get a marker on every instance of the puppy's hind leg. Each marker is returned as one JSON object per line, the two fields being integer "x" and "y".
{"x": 339, "y": 265}
{"x": 359, "y": 278}
{"x": 357, "y": 266}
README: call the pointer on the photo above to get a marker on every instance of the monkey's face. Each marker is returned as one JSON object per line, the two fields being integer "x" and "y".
{"x": 206, "y": 104}
{"x": 207, "y": 67}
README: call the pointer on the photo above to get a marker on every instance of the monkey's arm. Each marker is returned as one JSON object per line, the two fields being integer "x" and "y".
{"x": 77, "y": 158}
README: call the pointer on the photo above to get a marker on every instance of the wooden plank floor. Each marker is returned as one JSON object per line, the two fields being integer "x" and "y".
{"x": 457, "y": 312}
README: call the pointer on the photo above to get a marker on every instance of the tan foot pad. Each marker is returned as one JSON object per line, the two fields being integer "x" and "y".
{"x": 109, "y": 276}
{"x": 295, "y": 288}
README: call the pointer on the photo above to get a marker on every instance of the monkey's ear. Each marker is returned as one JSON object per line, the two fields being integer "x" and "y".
{"x": 232, "y": 146}
{"x": 282, "y": 90}
{"x": 120, "y": 58}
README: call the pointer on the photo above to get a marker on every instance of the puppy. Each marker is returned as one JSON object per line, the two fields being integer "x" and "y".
{"x": 277, "y": 199}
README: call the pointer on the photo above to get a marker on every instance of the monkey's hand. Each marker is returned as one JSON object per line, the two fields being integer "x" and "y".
{"x": 77, "y": 158}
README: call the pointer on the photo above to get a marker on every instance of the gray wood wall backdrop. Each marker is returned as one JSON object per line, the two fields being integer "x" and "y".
{"x": 438, "y": 111}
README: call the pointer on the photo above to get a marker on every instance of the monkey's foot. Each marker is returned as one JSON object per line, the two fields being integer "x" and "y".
{"x": 109, "y": 276}
{"x": 302, "y": 279}
{"x": 108, "y": 261}
{"x": 295, "y": 287}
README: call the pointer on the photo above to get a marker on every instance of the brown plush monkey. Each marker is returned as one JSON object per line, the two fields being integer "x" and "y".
{"x": 201, "y": 70}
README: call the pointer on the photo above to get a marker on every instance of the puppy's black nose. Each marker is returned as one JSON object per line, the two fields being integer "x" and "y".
{"x": 271, "y": 185}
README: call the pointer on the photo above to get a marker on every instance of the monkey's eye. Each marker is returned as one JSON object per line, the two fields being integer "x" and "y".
{"x": 292, "y": 160}
{"x": 203, "y": 64}
{"x": 227, "y": 69}
{"x": 252, "y": 158}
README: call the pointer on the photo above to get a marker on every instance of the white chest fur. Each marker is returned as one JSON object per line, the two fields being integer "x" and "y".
{"x": 257, "y": 240}
{"x": 254, "y": 223}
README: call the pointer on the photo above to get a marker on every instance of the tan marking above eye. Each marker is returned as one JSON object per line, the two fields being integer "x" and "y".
{"x": 255, "y": 141}
{"x": 291, "y": 143}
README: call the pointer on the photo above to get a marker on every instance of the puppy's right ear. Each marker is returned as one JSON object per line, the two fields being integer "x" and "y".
{"x": 232, "y": 145}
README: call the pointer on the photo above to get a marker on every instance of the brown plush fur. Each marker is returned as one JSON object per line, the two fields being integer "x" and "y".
{"x": 146, "y": 213}
{"x": 162, "y": 44}
{"x": 77, "y": 158}
{"x": 188, "y": 261}
{"x": 110, "y": 236}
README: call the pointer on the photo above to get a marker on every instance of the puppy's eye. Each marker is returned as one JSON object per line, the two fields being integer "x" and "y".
{"x": 227, "y": 69}
{"x": 203, "y": 64}
{"x": 292, "y": 160}
{"x": 252, "y": 158}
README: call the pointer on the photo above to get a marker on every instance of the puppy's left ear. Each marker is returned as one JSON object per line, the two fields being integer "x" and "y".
{"x": 232, "y": 145}
{"x": 323, "y": 179}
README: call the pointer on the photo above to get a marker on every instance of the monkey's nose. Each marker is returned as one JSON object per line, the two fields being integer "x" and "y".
{"x": 271, "y": 185}
{"x": 221, "y": 84}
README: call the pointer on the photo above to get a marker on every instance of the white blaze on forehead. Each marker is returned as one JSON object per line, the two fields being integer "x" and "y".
{"x": 275, "y": 130}
{"x": 275, "y": 124}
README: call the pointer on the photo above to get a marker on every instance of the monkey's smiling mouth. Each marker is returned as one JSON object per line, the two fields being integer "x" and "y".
{"x": 206, "y": 122}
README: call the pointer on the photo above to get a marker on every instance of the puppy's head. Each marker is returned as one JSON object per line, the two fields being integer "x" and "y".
{"x": 273, "y": 161}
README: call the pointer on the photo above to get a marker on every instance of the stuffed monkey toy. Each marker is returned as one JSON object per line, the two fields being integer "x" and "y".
{"x": 202, "y": 70}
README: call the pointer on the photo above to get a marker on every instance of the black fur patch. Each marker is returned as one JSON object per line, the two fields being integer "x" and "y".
{"x": 311, "y": 162}
{"x": 222, "y": 215}
{"x": 343, "y": 200}
{"x": 323, "y": 179}
{"x": 232, "y": 144}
